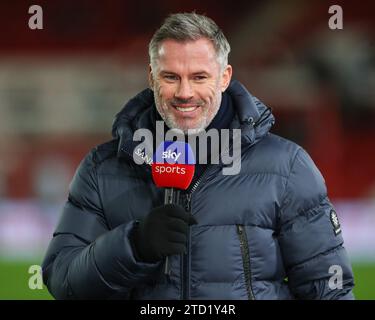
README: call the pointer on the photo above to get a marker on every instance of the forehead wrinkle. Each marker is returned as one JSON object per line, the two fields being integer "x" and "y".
{"x": 190, "y": 57}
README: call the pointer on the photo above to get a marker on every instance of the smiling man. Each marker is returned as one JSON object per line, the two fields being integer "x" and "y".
{"x": 188, "y": 80}
{"x": 267, "y": 232}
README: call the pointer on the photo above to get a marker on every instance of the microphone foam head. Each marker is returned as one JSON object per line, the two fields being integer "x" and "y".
{"x": 173, "y": 165}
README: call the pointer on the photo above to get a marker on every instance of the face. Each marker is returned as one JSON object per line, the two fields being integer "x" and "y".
{"x": 188, "y": 83}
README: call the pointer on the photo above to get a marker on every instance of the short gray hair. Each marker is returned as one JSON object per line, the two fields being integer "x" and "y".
{"x": 186, "y": 27}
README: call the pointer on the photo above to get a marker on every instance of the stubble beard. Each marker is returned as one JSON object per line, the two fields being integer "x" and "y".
{"x": 207, "y": 116}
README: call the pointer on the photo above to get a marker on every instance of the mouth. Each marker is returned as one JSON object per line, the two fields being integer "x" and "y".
{"x": 186, "y": 109}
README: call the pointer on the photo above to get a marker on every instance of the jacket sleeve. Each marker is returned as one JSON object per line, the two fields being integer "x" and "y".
{"x": 85, "y": 259}
{"x": 316, "y": 263}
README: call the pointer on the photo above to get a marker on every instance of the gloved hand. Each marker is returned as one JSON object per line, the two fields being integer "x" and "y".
{"x": 162, "y": 233}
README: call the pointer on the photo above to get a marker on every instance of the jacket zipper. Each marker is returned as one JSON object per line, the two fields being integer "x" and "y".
{"x": 185, "y": 284}
{"x": 245, "y": 260}
{"x": 185, "y": 257}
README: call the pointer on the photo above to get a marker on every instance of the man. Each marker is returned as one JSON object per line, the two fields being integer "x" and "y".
{"x": 268, "y": 232}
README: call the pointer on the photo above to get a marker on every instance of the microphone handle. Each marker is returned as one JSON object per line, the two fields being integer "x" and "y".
{"x": 171, "y": 196}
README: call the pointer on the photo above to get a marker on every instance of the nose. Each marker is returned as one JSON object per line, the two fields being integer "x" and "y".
{"x": 184, "y": 90}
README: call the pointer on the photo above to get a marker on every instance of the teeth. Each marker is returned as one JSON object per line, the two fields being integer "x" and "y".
{"x": 186, "y": 109}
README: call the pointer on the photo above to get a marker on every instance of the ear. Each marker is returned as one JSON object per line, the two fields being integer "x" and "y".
{"x": 150, "y": 77}
{"x": 226, "y": 77}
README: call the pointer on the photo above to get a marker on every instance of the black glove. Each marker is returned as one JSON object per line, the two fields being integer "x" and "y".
{"x": 162, "y": 233}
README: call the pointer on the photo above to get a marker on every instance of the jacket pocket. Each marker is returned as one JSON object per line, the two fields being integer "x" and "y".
{"x": 244, "y": 245}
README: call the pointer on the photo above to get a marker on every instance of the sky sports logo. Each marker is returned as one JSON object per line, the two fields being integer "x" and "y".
{"x": 172, "y": 169}
{"x": 173, "y": 165}
{"x": 174, "y": 152}
{"x": 171, "y": 155}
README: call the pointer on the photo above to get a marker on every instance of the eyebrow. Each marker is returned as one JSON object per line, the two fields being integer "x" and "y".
{"x": 167, "y": 72}
{"x": 201, "y": 72}
{"x": 194, "y": 73}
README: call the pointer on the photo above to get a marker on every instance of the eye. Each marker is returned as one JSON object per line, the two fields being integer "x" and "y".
{"x": 200, "y": 78}
{"x": 170, "y": 77}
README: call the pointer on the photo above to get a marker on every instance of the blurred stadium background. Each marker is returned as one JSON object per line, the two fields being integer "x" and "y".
{"x": 60, "y": 88}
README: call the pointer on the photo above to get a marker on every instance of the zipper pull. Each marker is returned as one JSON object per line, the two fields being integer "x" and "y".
{"x": 239, "y": 229}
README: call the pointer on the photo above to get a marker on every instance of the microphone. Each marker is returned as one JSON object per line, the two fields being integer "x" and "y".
{"x": 173, "y": 169}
